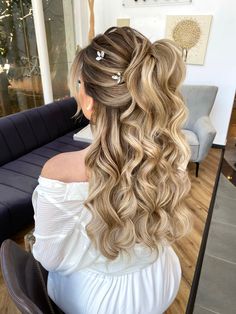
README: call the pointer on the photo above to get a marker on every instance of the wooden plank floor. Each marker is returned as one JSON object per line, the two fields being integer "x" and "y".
{"x": 187, "y": 248}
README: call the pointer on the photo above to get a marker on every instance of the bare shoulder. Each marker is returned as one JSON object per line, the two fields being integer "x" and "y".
{"x": 66, "y": 167}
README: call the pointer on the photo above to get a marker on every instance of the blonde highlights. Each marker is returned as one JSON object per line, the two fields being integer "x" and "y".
{"x": 136, "y": 164}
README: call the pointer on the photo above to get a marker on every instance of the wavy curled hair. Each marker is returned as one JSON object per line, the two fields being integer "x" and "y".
{"x": 138, "y": 183}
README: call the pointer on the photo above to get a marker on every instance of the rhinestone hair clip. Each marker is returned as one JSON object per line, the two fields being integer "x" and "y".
{"x": 117, "y": 77}
{"x": 100, "y": 55}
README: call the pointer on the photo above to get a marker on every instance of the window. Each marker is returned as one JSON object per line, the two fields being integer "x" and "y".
{"x": 20, "y": 77}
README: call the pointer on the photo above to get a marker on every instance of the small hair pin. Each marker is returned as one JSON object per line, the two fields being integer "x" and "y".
{"x": 117, "y": 77}
{"x": 78, "y": 83}
{"x": 100, "y": 55}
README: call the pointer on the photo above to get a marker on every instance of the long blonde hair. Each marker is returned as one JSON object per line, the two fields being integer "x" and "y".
{"x": 136, "y": 164}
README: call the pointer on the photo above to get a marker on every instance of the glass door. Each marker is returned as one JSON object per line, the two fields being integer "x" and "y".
{"x": 59, "y": 24}
{"x": 21, "y": 85}
{"x": 20, "y": 80}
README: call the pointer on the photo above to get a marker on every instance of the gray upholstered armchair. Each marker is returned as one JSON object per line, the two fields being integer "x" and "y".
{"x": 199, "y": 130}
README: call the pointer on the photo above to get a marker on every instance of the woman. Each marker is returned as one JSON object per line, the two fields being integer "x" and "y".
{"x": 106, "y": 216}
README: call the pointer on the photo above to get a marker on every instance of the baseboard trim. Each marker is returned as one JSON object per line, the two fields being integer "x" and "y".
{"x": 218, "y": 146}
{"x": 197, "y": 273}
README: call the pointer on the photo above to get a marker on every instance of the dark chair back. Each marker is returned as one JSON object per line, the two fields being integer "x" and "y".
{"x": 26, "y": 280}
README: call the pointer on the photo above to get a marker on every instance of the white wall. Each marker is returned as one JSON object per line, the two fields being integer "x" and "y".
{"x": 220, "y": 62}
{"x": 81, "y": 20}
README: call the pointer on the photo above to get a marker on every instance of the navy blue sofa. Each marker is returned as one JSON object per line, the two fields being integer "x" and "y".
{"x": 27, "y": 140}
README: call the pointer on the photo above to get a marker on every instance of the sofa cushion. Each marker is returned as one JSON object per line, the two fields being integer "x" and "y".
{"x": 5, "y": 221}
{"x": 18, "y": 179}
{"x": 193, "y": 142}
{"x": 22, "y": 132}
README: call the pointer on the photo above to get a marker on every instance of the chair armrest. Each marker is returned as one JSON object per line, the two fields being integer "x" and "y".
{"x": 206, "y": 134}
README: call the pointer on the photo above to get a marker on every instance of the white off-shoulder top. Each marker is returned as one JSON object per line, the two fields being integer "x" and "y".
{"x": 81, "y": 280}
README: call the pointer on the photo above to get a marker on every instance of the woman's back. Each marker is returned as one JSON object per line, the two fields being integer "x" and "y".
{"x": 105, "y": 219}
{"x": 81, "y": 280}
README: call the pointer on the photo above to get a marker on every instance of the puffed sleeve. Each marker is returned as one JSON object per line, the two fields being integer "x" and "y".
{"x": 61, "y": 241}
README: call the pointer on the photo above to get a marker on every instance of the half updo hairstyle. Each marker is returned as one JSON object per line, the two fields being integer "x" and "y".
{"x": 137, "y": 161}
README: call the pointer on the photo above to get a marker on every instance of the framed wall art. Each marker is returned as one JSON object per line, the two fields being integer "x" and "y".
{"x": 191, "y": 33}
